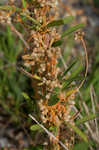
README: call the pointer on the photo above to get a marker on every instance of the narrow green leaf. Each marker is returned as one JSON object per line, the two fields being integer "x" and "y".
{"x": 30, "y": 18}
{"x": 72, "y": 29}
{"x": 25, "y": 96}
{"x": 24, "y": 3}
{"x": 60, "y": 21}
{"x": 57, "y": 43}
{"x": 54, "y": 96}
{"x": 69, "y": 92}
{"x": 81, "y": 146}
{"x": 68, "y": 19}
{"x": 69, "y": 68}
{"x": 53, "y": 99}
{"x": 66, "y": 83}
{"x": 35, "y": 127}
{"x": 86, "y": 118}
{"x": 5, "y": 7}
{"x": 79, "y": 132}
{"x": 10, "y": 8}
{"x": 77, "y": 71}
{"x": 55, "y": 23}
{"x": 56, "y": 90}
{"x": 37, "y": 77}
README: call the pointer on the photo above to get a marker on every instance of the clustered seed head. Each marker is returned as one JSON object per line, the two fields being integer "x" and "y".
{"x": 46, "y": 2}
{"x": 4, "y": 18}
{"x": 57, "y": 114}
{"x": 42, "y": 58}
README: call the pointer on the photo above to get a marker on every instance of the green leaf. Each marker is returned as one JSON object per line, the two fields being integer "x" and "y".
{"x": 54, "y": 130}
{"x": 24, "y": 3}
{"x": 69, "y": 68}
{"x": 69, "y": 92}
{"x": 31, "y": 19}
{"x": 35, "y": 76}
{"x": 86, "y": 118}
{"x": 81, "y": 146}
{"x": 72, "y": 29}
{"x": 60, "y": 21}
{"x": 35, "y": 127}
{"x": 10, "y": 8}
{"x": 72, "y": 78}
{"x": 53, "y": 99}
{"x": 25, "y": 96}
{"x": 77, "y": 71}
{"x": 66, "y": 83}
{"x": 68, "y": 19}
{"x": 56, "y": 90}
{"x": 57, "y": 43}
{"x": 79, "y": 132}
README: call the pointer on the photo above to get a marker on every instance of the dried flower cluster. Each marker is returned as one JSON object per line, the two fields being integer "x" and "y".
{"x": 4, "y": 18}
{"x": 42, "y": 59}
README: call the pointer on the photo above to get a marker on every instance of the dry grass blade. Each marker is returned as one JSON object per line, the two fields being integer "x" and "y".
{"x": 93, "y": 108}
{"x": 80, "y": 37}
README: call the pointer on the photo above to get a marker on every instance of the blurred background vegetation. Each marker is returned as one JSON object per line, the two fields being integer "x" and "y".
{"x": 15, "y": 107}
